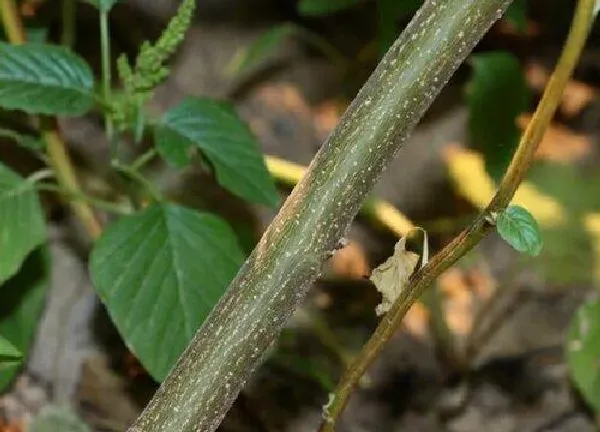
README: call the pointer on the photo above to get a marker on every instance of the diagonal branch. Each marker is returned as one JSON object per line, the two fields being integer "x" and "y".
{"x": 522, "y": 159}
{"x": 275, "y": 278}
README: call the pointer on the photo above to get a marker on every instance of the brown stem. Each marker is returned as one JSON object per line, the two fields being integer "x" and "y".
{"x": 582, "y": 22}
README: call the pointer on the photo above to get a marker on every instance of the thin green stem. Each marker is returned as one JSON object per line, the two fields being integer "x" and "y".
{"x": 40, "y": 175}
{"x": 68, "y": 23}
{"x": 101, "y": 204}
{"x": 136, "y": 176}
{"x": 106, "y": 81}
{"x": 582, "y": 22}
{"x": 143, "y": 159}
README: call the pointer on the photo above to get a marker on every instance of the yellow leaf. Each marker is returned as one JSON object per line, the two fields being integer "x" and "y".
{"x": 467, "y": 171}
{"x": 391, "y": 277}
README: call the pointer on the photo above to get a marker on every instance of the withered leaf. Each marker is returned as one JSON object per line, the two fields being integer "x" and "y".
{"x": 391, "y": 277}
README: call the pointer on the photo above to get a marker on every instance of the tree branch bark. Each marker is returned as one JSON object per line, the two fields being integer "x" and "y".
{"x": 274, "y": 280}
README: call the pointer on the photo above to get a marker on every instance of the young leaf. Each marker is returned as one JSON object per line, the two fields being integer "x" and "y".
{"x": 583, "y": 352}
{"x": 22, "y": 227}
{"x": 320, "y": 7}
{"x": 496, "y": 95}
{"x": 159, "y": 273}
{"x": 103, "y": 5}
{"x": 21, "y": 303}
{"x": 256, "y": 52}
{"x": 215, "y": 129}
{"x": 519, "y": 229}
{"x": 44, "y": 79}
{"x": 391, "y": 277}
{"x": 9, "y": 354}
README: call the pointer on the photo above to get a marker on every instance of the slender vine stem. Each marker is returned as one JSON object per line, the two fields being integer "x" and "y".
{"x": 522, "y": 159}
{"x": 144, "y": 159}
{"x": 274, "y": 280}
{"x": 101, "y": 204}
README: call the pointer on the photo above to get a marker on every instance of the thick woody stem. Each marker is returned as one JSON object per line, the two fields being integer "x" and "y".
{"x": 274, "y": 280}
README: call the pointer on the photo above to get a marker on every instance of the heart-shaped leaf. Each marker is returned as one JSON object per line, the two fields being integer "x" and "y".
{"x": 583, "y": 352}
{"x": 21, "y": 303}
{"x": 519, "y": 229}
{"x": 44, "y": 79}
{"x": 159, "y": 273}
{"x": 214, "y": 128}
{"x": 22, "y": 226}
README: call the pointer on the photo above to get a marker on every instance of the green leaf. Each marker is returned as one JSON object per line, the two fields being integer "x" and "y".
{"x": 44, "y": 79}
{"x": 9, "y": 354}
{"x": 320, "y": 7}
{"x": 519, "y": 229}
{"x": 583, "y": 352}
{"x": 497, "y": 94}
{"x": 516, "y": 14}
{"x": 21, "y": 304}
{"x": 257, "y": 51}
{"x": 159, "y": 273}
{"x": 103, "y": 5}
{"x": 26, "y": 141}
{"x": 215, "y": 129}
{"x": 22, "y": 227}
{"x": 57, "y": 419}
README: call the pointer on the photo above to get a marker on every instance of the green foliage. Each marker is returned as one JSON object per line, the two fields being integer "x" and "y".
{"x": 22, "y": 227}
{"x": 497, "y": 94}
{"x": 583, "y": 352}
{"x": 149, "y": 70}
{"x": 44, "y": 79}
{"x": 519, "y": 229}
{"x": 160, "y": 272}
{"x": 214, "y": 128}
{"x": 57, "y": 419}
{"x": 23, "y": 298}
{"x": 320, "y": 7}
{"x": 103, "y": 5}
